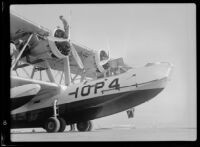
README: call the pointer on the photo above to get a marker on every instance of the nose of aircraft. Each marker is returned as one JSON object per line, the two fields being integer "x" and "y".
{"x": 161, "y": 68}
{"x": 153, "y": 71}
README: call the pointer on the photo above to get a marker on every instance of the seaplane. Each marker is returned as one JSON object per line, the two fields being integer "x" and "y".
{"x": 105, "y": 86}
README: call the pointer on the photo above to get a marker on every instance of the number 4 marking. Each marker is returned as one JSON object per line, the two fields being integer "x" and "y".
{"x": 114, "y": 84}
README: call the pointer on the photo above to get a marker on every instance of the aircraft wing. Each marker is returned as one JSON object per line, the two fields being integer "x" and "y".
{"x": 46, "y": 92}
{"x": 43, "y": 47}
{"x": 90, "y": 59}
{"x": 47, "y": 89}
{"x": 24, "y": 90}
{"x": 19, "y": 25}
{"x": 21, "y": 95}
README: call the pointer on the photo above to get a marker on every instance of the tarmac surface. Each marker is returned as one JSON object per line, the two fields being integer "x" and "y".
{"x": 107, "y": 134}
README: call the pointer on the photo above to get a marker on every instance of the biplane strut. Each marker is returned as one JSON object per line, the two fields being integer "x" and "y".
{"x": 21, "y": 52}
{"x": 67, "y": 71}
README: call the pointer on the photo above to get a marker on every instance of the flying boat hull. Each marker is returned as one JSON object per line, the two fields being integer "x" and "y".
{"x": 106, "y": 96}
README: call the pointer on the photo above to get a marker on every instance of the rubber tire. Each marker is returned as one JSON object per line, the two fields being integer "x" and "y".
{"x": 52, "y": 125}
{"x": 62, "y": 124}
{"x": 83, "y": 126}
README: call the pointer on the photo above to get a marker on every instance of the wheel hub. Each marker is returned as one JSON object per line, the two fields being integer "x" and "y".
{"x": 51, "y": 125}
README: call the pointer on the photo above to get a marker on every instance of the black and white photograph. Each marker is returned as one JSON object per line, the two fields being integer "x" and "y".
{"x": 103, "y": 72}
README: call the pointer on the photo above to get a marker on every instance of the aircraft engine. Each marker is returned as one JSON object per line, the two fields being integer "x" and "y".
{"x": 56, "y": 46}
{"x": 43, "y": 48}
{"x": 60, "y": 46}
{"x": 101, "y": 59}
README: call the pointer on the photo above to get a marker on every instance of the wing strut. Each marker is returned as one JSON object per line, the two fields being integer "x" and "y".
{"x": 49, "y": 73}
{"x": 20, "y": 54}
{"x": 67, "y": 71}
{"x": 33, "y": 71}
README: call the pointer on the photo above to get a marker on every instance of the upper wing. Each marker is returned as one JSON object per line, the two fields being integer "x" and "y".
{"x": 20, "y": 25}
{"x": 90, "y": 58}
{"x": 46, "y": 49}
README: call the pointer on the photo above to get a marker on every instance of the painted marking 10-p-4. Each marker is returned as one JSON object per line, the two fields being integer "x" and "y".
{"x": 93, "y": 89}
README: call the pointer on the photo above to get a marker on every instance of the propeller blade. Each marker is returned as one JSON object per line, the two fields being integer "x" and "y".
{"x": 52, "y": 38}
{"x": 104, "y": 62}
{"x": 73, "y": 50}
{"x": 70, "y": 17}
{"x": 76, "y": 56}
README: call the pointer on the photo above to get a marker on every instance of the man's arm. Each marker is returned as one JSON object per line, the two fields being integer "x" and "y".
{"x": 66, "y": 26}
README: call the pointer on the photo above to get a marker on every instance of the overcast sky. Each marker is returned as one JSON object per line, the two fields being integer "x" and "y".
{"x": 139, "y": 33}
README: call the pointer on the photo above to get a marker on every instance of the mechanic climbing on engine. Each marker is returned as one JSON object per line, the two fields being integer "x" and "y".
{"x": 63, "y": 46}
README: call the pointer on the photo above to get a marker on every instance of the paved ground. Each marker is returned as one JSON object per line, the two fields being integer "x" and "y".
{"x": 107, "y": 134}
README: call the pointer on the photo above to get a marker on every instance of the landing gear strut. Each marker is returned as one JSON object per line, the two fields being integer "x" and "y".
{"x": 55, "y": 123}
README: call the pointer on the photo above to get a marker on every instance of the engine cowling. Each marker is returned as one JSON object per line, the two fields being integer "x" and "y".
{"x": 59, "y": 44}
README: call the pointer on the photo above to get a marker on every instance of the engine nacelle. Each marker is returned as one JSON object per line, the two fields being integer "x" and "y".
{"x": 59, "y": 44}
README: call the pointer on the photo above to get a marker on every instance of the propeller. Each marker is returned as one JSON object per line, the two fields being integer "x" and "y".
{"x": 73, "y": 50}
{"x": 108, "y": 48}
{"x": 104, "y": 62}
{"x": 76, "y": 56}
